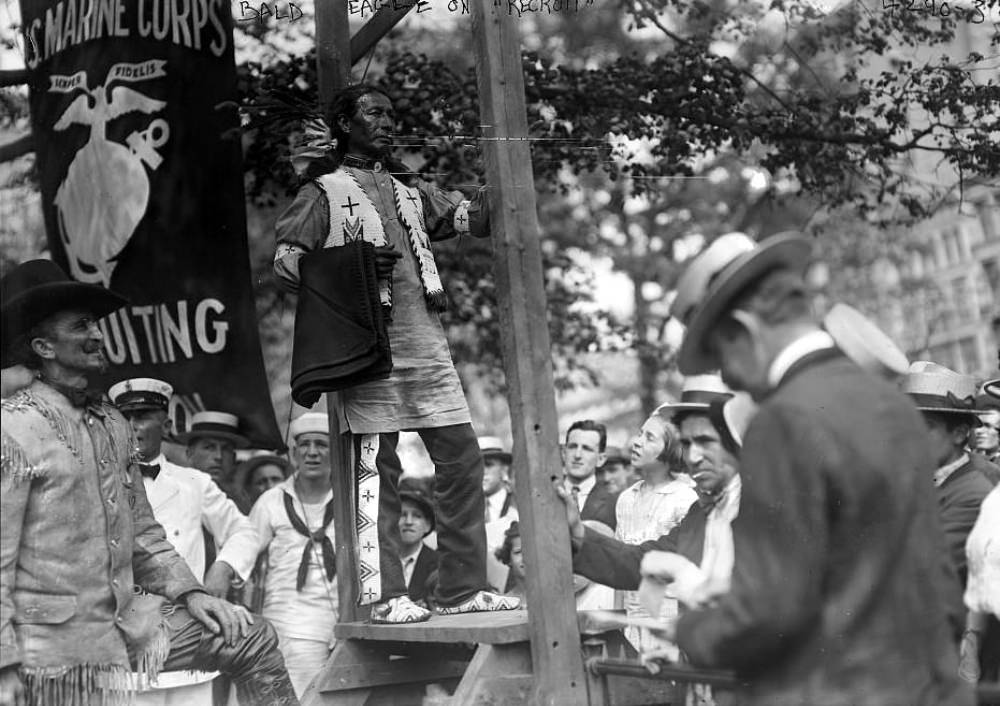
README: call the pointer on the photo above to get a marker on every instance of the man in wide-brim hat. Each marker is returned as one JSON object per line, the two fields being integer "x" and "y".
{"x": 496, "y": 478}
{"x": 698, "y": 392}
{"x": 70, "y": 623}
{"x": 211, "y": 440}
{"x": 837, "y": 542}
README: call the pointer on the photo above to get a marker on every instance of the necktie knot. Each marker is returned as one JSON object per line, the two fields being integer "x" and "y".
{"x": 149, "y": 470}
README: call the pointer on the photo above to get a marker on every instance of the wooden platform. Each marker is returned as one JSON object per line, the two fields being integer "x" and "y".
{"x": 499, "y": 628}
{"x": 484, "y": 658}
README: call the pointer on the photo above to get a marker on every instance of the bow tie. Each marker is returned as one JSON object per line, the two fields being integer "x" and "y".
{"x": 149, "y": 470}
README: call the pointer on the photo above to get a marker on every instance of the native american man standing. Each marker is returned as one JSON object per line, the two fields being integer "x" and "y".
{"x": 365, "y": 194}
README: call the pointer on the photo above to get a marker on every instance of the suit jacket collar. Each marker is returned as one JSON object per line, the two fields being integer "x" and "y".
{"x": 809, "y": 360}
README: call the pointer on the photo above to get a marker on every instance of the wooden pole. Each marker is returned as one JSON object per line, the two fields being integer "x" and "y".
{"x": 333, "y": 48}
{"x": 557, "y": 660}
{"x": 333, "y": 66}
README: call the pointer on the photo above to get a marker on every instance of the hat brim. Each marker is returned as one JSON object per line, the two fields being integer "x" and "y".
{"x": 26, "y": 310}
{"x": 502, "y": 455}
{"x": 992, "y": 387}
{"x": 672, "y": 410}
{"x": 789, "y": 251}
{"x": 238, "y": 440}
{"x": 949, "y": 410}
{"x": 138, "y": 406}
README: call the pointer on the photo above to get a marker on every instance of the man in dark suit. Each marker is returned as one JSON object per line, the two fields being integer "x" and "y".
{"x": 839, "y": 594}
{"x": 586, "y": 442}
{"x": 416, "y": 521}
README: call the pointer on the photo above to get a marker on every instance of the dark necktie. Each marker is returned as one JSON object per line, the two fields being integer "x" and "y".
{"x": 149, "y": 470}
{"x": 319, "y": 537}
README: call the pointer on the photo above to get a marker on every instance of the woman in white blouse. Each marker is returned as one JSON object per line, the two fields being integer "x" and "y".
{"x": 655, "y": 505}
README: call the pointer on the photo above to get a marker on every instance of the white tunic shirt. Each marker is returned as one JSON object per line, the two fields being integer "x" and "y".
{"x": 311, "y": 613}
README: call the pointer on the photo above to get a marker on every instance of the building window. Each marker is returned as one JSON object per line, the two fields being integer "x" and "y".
{"x": 968, "y": 355}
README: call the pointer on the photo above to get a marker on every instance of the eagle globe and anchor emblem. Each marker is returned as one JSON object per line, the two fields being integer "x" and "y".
{"x": 105, "y": 192}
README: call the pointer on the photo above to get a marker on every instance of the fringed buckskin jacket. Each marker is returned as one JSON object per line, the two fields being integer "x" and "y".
{"x": 78, "y": 540}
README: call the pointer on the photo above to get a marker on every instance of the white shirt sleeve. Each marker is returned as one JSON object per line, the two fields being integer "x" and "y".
{"x": 235, "y": 536}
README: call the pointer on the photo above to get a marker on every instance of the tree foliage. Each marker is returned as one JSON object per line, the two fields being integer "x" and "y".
{"x": 835, "y": 109}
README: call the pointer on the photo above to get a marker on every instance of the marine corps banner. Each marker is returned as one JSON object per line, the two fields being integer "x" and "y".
{"x": 142, "y": 190}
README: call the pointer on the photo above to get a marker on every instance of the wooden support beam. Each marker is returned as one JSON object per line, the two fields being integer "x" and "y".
{"x": 557, "y": 663}
{"x": 17, "y": 148}
{"x": 334, "y": 69}
{"x": 14, "y": 77}
{"x": 387, "y": 17}
{"x": 333, "y": 48}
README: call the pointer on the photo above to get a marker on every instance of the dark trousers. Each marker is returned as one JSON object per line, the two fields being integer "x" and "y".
{"x": 254, "y": 663}
{"x": 459, "y": 512}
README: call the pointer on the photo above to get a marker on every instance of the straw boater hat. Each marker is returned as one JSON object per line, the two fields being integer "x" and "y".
{"x": 37, "y": 289}
{"x": 697, "y": 393}
{"x": 140, "y": 393}
{"x": 492, "y": 446}
{"x": 935, "y": 388}
{"x": 992, "y": 387}
{"x": 719, "y": 273}
{"x": 217, "y": 425}
{"x": 310, "y": 422}
{"x": 864, "y": 342}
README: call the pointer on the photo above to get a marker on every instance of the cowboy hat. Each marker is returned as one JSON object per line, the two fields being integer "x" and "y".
{"x": 935, "y": 388}
{"x": 37, "y": 289}
{"x": 697, "y": 393}
{"x": 864, "y": 342}
{"x": 491, "y": 446}
{"x": 719, "y": 273}
{"x": 216, "y": 425}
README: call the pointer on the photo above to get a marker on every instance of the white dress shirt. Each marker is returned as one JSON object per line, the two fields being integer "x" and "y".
{"x": 409, "y": 563}
{"x": 494, "y": 504}
{"x": 583, "y": 489}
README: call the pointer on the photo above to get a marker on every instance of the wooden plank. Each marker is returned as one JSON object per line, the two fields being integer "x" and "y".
{"x": 505, "y": 627}
{"x": 387, "y": 17}
{"x": 558, "y": 665}
{"x": 398, "y": 671}
{"x": 333, "y": 48}
{"x": 344, "y": 482}
{"x": 490, "y": 664}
